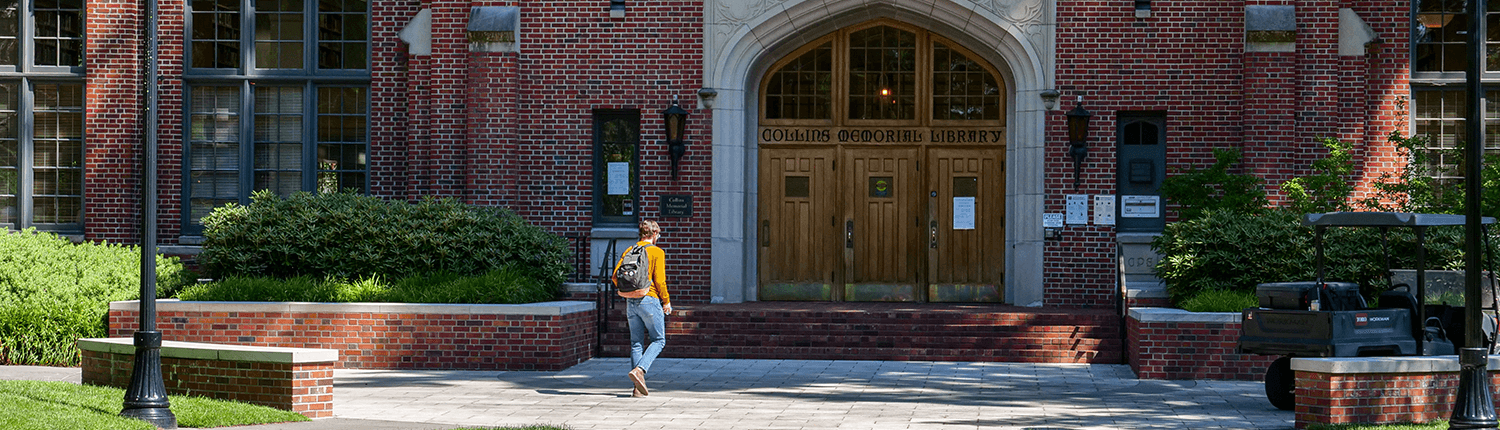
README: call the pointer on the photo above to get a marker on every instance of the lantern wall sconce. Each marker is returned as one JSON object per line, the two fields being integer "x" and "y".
{"x": 1078, "y": 136}
{"x": 674, "y": 119}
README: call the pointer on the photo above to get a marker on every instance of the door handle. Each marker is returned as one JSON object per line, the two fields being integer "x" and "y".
{"x": 932, "y": 226}
{"x": 765, "y": 233}
{"x": 849, "y": 234}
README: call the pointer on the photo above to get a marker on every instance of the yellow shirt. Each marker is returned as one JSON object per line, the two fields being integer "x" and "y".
{"x": 657, "y": 260}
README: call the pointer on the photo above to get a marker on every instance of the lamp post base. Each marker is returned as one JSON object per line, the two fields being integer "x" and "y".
{"x": 146, "y": 397}
{"x": 1473, "y": 407}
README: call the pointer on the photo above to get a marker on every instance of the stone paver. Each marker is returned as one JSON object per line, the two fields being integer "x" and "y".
{"x": 782, "y": 394}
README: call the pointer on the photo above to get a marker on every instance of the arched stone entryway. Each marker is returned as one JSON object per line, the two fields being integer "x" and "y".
{"x": 744, "y": 39}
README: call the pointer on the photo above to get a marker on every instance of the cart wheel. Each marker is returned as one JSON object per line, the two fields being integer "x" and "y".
{"x": 1281, "y": 384}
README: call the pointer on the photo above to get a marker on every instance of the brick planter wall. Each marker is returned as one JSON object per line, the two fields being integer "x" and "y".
{"x": 293, "y": 379}
{"x": 1378, "y": 390}
{"x": 1167, "y": 343}
{"x": 538, "y": 336}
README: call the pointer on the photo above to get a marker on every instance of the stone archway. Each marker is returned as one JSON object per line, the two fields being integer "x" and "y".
{"x": 742, "y": 39}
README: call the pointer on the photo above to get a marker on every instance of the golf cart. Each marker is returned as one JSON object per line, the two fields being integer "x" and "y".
{"x": 1331, "y": 319}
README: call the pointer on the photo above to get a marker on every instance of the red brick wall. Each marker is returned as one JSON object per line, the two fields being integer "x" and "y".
{"x": 369, "y": 340}
{"x": 304, "y": 388}
{"x": 1188, "y": 60}
{"x": 1190, "y": 350}
{"x": 1376, "y": 398}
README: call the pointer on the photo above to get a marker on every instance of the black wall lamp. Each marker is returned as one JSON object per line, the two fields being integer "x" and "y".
{"x": 675, "y": 119}
{"x": 1078, "y": 136}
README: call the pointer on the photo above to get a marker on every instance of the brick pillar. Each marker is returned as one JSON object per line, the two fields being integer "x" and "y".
{"x": 490, "y": 177}
{"x": 112, "y": 121}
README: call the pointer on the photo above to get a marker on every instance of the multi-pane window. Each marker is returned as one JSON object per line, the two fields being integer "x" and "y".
{"x": 277, "y": 116}
{"x": 872, "y": 73}
{"x": 961, "y": 88}
{"x": 214, "y": 148}
{"x": 617, "y": 141}
{"x": 1441, "y": 117}
{"x": 802, "y": 88}
{"x": 41, "y": 115}
{"x": 341, "y": 138}
{"x": 1439, "y": 59}
{"x": 882, "y": 73}
{"x": 216, "y": 34}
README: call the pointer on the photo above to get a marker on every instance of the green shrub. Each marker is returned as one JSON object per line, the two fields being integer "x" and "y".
{"x": 1196, "y": 191}
{"x": 506, "y": 285}
{"x": 1220, "y": 301}
{"x": 348, "y": 236}
{"x": 53, "y": 292}
{"x": 1328, "y": 188}
{"x": 1228, "y": 251}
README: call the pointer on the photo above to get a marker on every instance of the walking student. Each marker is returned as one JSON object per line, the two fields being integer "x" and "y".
{"x": 646, "y": 306}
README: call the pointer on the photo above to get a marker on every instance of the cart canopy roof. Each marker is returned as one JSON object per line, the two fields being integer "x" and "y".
{"x": 1385, "y": 219}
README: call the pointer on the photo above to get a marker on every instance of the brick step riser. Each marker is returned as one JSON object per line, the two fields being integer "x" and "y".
{"x": 930, "y": 354}
{"x": 895, "y": 331}
{"x": 1009, "y": 320}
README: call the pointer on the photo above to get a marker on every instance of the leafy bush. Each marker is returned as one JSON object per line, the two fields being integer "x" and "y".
{"x": 1197, "y": 191}
{"x": 53, "y": 292}
{"x": 1229, "y": 251}
{"x": 348, "y": 236}
{"x": 506, "y": 286}
{"x": 1419, "y": 186}
{"x": 1220, "y": 301}
{"x": 1328, "y": 188}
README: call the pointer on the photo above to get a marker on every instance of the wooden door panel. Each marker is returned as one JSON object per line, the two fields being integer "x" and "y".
{"x": 796, "y": 240}
{"x": 967, "y": 254}
{"x": 881, "y": 189}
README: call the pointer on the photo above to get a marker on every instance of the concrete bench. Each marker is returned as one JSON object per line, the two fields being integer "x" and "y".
{"x": 1378, "y": 390}
{"x": 294, "y": 379}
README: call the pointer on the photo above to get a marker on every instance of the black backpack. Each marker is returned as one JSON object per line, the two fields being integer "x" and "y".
{"x": 634, "y": 271}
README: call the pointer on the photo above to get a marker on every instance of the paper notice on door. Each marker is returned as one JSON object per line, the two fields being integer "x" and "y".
{"x": 963, "y": 213}
{"x": 619, "y": 178}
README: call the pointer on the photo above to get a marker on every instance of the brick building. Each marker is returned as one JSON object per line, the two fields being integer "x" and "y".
{"x": 834, "y": 150}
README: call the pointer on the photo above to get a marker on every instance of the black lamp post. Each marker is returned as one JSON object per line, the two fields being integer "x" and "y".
{"x": 1078, "y": 136}
{"x": 146, "y": 397}
{"x": 675, "y": 120}
{"x": 1472, "y": 404}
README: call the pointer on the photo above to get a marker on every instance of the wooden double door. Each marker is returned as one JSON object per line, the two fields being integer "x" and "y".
{"x": 882, "y": 224}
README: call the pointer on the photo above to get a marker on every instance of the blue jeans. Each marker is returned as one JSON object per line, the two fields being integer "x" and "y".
{"x": 648, "y": 323}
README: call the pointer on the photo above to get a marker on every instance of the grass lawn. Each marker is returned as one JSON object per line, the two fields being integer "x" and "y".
{"x": 64, "y": 405}
{"x": 1435, "y": 425}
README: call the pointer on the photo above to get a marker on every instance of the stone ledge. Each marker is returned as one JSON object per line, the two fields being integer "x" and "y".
{"x": 212, "y": 351}
{"x": 1351, "y": 365}
{"x": 1162, "y": 315}
{"x": 543, "y": 308}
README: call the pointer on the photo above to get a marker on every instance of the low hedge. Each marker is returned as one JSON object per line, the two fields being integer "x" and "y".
{"x": 349, "y": 236}
{"x": 53, "y": 292}
{"x": 503, "y": 286}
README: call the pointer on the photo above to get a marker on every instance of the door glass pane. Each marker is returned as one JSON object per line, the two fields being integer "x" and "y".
{"x": 882, "y": 73}
{"x": 802, "y": 89}
{"x": 616, "y": 189}
{"x": 1140, "y": 133}
{"x": 216, "y": 34}
{"x": 57, "y": 158}
{"x": 278, "y": 139}
{"x": 961, "y": 88}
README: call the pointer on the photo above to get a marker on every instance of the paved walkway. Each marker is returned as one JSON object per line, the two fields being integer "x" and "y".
{"x": 783, "y": 394}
